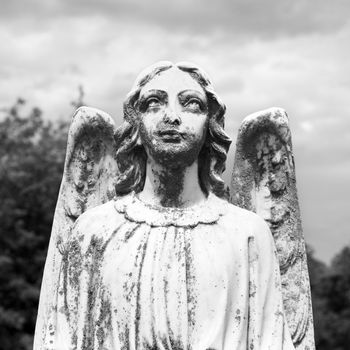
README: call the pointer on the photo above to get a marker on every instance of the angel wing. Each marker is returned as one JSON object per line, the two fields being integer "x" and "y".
{"x": 89, "y": 176}
{"x": 263, "y": 181}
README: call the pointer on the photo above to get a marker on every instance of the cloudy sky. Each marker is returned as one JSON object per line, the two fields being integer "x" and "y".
{"x": 287, "y": 53}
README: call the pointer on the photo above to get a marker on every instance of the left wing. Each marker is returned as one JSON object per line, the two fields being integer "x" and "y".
{"x": 263, "y": 181}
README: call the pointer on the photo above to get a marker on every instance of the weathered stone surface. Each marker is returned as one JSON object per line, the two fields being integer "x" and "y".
{"x": 166, "y": 264}
{"x": 263, "y": 181}
{"x": 88, "y": 180}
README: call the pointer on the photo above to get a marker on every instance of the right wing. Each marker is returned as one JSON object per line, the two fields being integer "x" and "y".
{"x": 89, "y": 177}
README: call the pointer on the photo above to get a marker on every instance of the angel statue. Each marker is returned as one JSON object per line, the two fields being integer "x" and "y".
{"x": 146, "y": 252}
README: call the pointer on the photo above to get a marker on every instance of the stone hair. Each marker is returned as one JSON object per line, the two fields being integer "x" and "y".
{"x": 131, "y": 155}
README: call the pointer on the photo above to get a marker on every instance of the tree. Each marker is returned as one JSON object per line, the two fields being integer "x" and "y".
{"x": 330, "y": 288}
{"x": 336, "y": 290}
{"x": 31, "y": 163}
{"x": 317, "y": 272}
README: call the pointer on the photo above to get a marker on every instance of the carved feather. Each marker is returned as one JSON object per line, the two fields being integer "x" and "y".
{"x": 263, "y": 181}
{"x": 89, "y": 175}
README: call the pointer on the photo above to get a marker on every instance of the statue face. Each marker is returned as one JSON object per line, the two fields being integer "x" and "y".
{"x": 173, "y": 117}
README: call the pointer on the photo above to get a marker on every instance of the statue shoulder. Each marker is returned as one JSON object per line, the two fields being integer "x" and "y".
{"x": 241, "y": 215}
{"x": 247, "y": 222}
{"x": 249, "y": 230}
{"x": 98, "y": 222}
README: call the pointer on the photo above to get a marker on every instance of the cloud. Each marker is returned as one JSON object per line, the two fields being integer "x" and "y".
{"x": 259, "y": 54}
{"x": 306, "y": 126}
{"x": 271, "y": 18}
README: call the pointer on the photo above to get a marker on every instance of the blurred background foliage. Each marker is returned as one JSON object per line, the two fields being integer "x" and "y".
{"x": 32, "y": 151}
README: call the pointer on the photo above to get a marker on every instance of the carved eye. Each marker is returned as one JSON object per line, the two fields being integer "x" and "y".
{"x": 153, "y": 102}
{"x": 194, "y": 104}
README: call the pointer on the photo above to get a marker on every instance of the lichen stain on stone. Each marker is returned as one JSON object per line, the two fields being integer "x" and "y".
{"x": 124, "y": 337}
{"x": 74, "y": 263}
{"x": 129, "y": 233}
{"x": 192, "y": 293}
{"x": 91, "y": 149}
{"x": 104, "y": 322}
{"x": 264, "y": 181}
{"x": 171, "y": 182}
{"x": 140, "y": 256}
{"x": 92, "y": 265}
{"x": 238, "y": 316}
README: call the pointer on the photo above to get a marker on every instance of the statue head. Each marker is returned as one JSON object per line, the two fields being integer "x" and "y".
{"x": 172, "y": 114}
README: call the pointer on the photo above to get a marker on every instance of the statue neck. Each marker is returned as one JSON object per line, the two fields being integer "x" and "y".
{"x": 172, "y": 186}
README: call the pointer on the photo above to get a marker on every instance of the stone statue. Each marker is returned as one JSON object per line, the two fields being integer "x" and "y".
{"x": 145, "y": 253}
{"x": 263, "y": 181}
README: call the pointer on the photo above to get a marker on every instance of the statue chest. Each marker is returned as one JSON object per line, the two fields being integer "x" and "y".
{"x": 174, "y": 285}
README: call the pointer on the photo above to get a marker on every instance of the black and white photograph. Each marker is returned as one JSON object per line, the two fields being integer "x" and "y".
{"x": 174, "y": 175}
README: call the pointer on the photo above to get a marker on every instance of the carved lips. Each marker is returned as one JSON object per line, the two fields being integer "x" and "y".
{"x": 170, "y": 135}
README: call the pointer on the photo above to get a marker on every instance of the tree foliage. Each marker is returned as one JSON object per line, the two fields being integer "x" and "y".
{"x": 31, "y": 161}
{"x": 330, "y": 288}
{"x": 32, "y": 153}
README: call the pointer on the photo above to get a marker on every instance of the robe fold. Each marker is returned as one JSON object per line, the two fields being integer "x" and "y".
{"x": 136, "y": 276}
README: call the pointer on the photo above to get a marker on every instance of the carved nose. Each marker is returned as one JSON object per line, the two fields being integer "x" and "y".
{"x": 172, "y": 117}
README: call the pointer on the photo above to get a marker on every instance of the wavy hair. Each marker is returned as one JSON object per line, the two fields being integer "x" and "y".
{"x": 131, "y": 155}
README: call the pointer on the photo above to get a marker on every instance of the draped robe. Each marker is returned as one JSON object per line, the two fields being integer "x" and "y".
{"x": 136, "y": 276}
